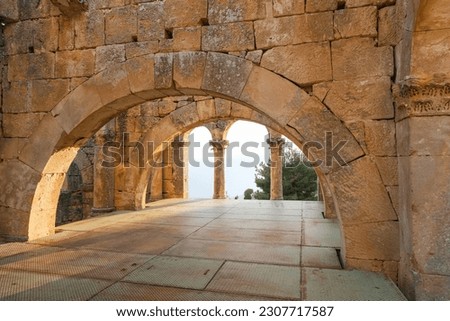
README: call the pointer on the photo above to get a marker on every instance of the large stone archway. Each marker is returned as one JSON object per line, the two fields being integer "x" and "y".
{"x": 368, "y": 221}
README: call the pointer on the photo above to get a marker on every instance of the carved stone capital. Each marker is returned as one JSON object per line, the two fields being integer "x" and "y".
{"x": 219, "y": 144}
{"x": 414, "y": 100}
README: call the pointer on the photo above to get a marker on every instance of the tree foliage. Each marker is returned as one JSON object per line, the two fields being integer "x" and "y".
{"x": 299, "y": 178}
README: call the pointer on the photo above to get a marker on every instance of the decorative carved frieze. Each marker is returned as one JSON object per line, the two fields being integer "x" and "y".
{"x": 422, "y": 100}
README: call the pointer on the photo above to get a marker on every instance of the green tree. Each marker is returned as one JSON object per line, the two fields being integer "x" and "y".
{"x": 299, "y": 178}
{"x": 248, "y": 194}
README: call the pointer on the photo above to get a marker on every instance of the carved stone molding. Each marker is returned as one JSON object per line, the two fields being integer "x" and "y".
{"x": 422, "y": 100}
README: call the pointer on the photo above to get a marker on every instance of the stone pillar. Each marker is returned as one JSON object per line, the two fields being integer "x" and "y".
{"x": 276, "y": 143}
{"x": 423, "y": 131}
{"x": 180, "y": 167}
{"x": 103, "y": 200}
{"x": 319, "y": 191}
{"x": 219, "y": 147}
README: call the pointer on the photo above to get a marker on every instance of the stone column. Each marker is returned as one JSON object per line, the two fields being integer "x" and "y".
{"x": 219, "y": 147}
{"x": 180, "y": 167}
{"x": 103, "y": 200}
{"x": 423, "y": 131}
{"x": 276, "y": 143}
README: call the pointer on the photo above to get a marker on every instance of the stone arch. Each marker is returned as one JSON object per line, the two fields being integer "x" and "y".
{"x": 369, "y": 224}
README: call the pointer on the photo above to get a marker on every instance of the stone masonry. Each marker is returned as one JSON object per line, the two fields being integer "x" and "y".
{"x": 371, "y": 73}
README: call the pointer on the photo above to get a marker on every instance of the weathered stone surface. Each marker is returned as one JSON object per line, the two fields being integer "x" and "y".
{"x": 433, "y": 288}
{"x": 426, "y": 224}
{"x": 15, "y": 229}
{"x": 18, "y": 185}
{"x": 358, "y": 58}
{"x": 306, "y": 123}
{"x": 411, "y": 133}
{"x": 313, "y": 62}
{"x": 71, "y": 7}
{"x": 206, "y": 109}
{"x": 387, "y": 27}
{"x": 254, "y": 56}
{"x": 226, "y": 75}
{"x": 361, "y": 3}
{"x": 188, "y": 70}
{"x": 430, "y": 52}
{"x": 388, "y": 167}
{"x": 141, "y": 76}
{"x": 223, "y": 107}
{"x": 163, "y": 71}
{"x": 225, "y": 11}
{"x": 9, "y": 11}
{"x": 274, "y": 32}
{"x": 151, "y": 21}
{"x": 31, "y": 66}
{"x": 433, "y": 16}
{"x": 137, "y": 49}
{"x": 313, "y": 27}
{"x": 355, "y": 22}
{"x": 288, "y": 7}
{"x": 121, "y": 25}
{"x": 35, "y": 42}
{"x": 11, "y": 147}
{"x": 108, "y": 56}
{"x": 389, "y": 268}
{"x": 378, "y": 240}
{"x": 361, "y": 194}
{"x": 90, "y": 30}
{"x": 370, "y": 98}
{"x": 231, "y": 37}
{"x": 16, "y": 97}
{"x": 394, "y": 195}
{"x": 20, "y": 125}
{"x": 184, "y": 39}
{"x": 66, "y": 34}
{"x": 321, "y": 5}
{"x": 262, "y": 91}
{"x": 76, "y": 63}
{"x": 34, "y": 9}
{"x": 180, "y": 13}
{"x": 380, "y": 138}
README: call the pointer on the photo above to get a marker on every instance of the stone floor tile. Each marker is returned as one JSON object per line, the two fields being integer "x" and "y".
{"x": 321, "y": 257}
{"x": 258, "y": 279}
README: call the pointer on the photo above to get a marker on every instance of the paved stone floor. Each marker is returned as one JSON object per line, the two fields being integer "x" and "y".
{"x": 191, "y": 250}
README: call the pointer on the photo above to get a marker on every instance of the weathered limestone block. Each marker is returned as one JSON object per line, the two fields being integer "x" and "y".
{"x": 355, "y": 22}
{"x": 163, "y": 71}
{"x": 389, "y": 268}
{"x": 360, "y": 58}
{"x": 313, "y": 27}
{"x": 20, "y": 40}
{"x": 254, "y": 56}
{"x": 137, "y": 49}
{"x": 388, "y": 167}
{"x": 141, "y": 77}
{"x": 20, "y": 125}
{"x": 305, "y": 122}
{"x": 108, "y": 56}
{"x": 184, "y": 39}
{"x": 377, "y": 240}
{"x": 312, "y": 62}
{"x": 31, "y": 66}
{"x": 432, "y": 288}
{"x": 77, "y": 63}
{"x": 262, "y": 91}
{"x": 393, "y": 194}
{"x": 35, "y": 9}
{"x": 274, "y": 32}
{"x": 166, "y": 106}
{"x": 18, "y": 184}
{"x": 151, "y": 21}
{"x": 66, "y": 33}
{"x": 206, "y": 109}
{"x": 185, "y": 116}
{"x": 9, "y": 10}
{"x": 361, "y": 193}
{"x": 106, "y": 4}
{"x": 430, "y": 52}
{"x": 182, "y": 13}
{"x": 433, "y": 16}
{"x": 230, "y": 37}
{"x": 361, "y": 3}
{"x": 223, "y": 107}
{"x": 361, "y": 99}
{"x": 388, "y": 27}
{"x": 121, "y": 25}
{"x": 380, "y": 138}
{"x": 426, "y": 227}
{"x": 288, "y": 7}
{"x": 71, "y": 7}
{"x": 321, "y": 5}
{"x": 15, "y": 229}
{"x": 225, "y": 74}
{"x": 90, "y": 30}
{"x": 411, "y": 133}
{"x": 225, "y": 11}
{"x": 188, "y": 70}
{"x": 11, "y": 147}
{"x": 16, "y": 97}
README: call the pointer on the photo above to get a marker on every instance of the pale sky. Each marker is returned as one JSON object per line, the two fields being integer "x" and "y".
{"x": 240, "y": 170}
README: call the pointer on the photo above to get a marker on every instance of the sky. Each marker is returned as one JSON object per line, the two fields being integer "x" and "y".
{"x": 243, "y": 136}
